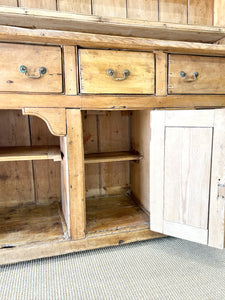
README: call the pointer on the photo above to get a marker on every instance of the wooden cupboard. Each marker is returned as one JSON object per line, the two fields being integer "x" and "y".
{"x": 115, "y": 188}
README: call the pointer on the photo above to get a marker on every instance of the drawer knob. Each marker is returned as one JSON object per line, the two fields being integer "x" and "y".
{"x": 126, "y": 73}
{"x": 42, "y": 71}
{"x": 192, "y": 78}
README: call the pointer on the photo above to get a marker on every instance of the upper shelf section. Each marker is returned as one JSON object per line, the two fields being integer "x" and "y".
{"x": 42, "y": 19}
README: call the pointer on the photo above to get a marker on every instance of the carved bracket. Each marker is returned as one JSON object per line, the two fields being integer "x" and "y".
{"x": 55, "y": 118}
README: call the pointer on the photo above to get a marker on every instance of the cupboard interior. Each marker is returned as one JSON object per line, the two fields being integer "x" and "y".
{"x": 30, "y": 195}
{"x": 117, "y": 187}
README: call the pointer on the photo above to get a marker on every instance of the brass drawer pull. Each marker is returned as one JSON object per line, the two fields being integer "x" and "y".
{"x": 126, "y": 73}
{"x": 192, "y": 78}
{"x": 42, "y": 71}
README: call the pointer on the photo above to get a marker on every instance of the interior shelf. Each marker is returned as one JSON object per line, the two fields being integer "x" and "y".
{"x": 31, "y": 223}
{"x": 30, "y": 153}
{"x": 114, "y": 213}
{"x": 111, "y": 156}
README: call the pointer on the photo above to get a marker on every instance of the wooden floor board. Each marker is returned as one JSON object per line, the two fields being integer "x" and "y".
{"x": 114, "y": 214}
{"x": 30, "y": 223}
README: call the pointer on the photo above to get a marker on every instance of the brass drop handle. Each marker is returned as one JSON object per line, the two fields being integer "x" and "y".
{"x": 42, "y": 71}
{"x": 126, "y": 73}
{"x": 192, "y": 78}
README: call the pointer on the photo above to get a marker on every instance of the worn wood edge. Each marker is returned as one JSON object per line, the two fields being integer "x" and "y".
{"x": 25, "y": 153}
{"x": 220, "y": 41}
{"x": 55, "y": 118}
{"x": 92, "y": 158}
{"x": 36, "y": 18}
{"x": 41, "y": 250}
{"x": 76, "y": 180}
{"x": 54, "y": 37}
{"x": 110, "y": 102}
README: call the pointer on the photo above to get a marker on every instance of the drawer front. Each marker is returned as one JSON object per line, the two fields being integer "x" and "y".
{"x": 183, "y": 79}
{"x": 104, "y": 72}
{"x": 15, "y": 78}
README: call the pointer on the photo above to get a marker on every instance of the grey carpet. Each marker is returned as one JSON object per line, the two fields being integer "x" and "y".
{"x": 155, "y": 269}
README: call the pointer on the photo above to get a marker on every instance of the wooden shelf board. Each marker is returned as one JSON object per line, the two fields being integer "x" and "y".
{"x": 42, "y": 19}
{"x": 110, "y": 157}
{"x": 114, "y": 214}
{"x": 28, "y": 224}
{"x": 30, "y": 153}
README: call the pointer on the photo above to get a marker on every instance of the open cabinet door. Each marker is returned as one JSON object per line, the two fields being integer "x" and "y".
{"x": 187, "y": 166}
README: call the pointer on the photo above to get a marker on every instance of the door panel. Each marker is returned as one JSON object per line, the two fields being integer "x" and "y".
{"x": 187, "y": 175}
{"x": 186, "y": 162}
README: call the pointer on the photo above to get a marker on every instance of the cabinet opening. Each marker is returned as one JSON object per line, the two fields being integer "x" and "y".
{"x": 30, "y": 192}
{"x": 116, "y": 156}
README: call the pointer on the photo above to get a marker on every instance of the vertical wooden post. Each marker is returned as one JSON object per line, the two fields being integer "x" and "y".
{"x": 161, "y": 73}
{"x": 217, "y": 202}
{"x": 73, "y": 190}
{"x": 70, "y": 70}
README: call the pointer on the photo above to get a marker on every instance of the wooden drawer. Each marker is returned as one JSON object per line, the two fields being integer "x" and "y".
{"x": 13, "y": 56}
{"x": 209, "y": 80}
{"x": 95, "y": 79}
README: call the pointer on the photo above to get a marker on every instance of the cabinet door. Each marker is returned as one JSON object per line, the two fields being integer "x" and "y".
{"x": 187, "y": 169}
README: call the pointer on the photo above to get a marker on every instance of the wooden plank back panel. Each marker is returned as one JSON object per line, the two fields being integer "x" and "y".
{"x": 173, "y": 11}
{"x": 142, "y": 10}
{"x": 200, "y": 12}
{"x": 110, "y": 8}
{"x": 8, "y": 2}
{"x": 91, "y": 145}
{"x": 75, "y": 6}
{"x": 16, "y": 178}
{"x": 46, "y": 173}
{"x": 219, "y": 8}
{"x": 45, "y": 4}
{"x": 114, "y": 135}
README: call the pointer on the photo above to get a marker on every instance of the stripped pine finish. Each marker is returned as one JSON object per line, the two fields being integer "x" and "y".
{"x": 200, "y": 12}
{"x": 75, "y": 6}
{"x": 219, "y": 8}
{"x": 189, "y": 171}
{"x": 16, "y": 178}
{"x": 110, "y": 8}
{"x": 210, "y": 78}
{"x": 75, "y": 165}
{"x": 29, "y": 224}
{"x": 175, "y": 11}
{"x": 30, "y": 153}
{"x": 8, "y": 2}
{"x": 91, "y": 145}
{"x": 114, "y": 214}
{"x": 45, "y": 4}
{"x": 95, "y": 79}
{"x": 46, "y": 173}
{"x": 114, "y": 136}
{"x": 140, "y": 171}
{"x": 104, "y": 151}
{"x": 33, "y": 58}
{"x": 110, "y": 157}
{"x": 41, "y": 19}
{"x": 142, "y": 10}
